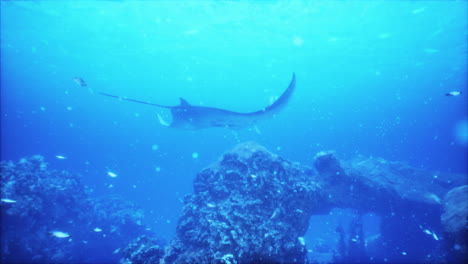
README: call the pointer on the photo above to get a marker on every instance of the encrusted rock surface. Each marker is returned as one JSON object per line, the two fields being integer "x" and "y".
{"x": 455, "y": 223}
{"x": 254, "y": 207}
{"x": 406, "y": 198}
{"x": 143, "y": 250}
{"x": 42, "y": 200}
{"x": 251, "y": 207}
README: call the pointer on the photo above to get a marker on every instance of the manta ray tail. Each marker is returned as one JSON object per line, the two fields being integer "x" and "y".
{"x": 135, "y": 101}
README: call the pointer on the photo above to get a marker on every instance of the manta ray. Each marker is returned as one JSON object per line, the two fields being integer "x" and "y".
{"x": 191, "y": 117}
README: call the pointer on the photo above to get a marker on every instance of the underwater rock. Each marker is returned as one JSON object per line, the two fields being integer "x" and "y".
{"x": 53, "y": 218}
{"x": 254, "y": 207}
{"x": 384, "y": 183}
{"x": 143, "y": 250}
{"x": 455, "y": 223}
{"x": 406, "y": 198}
{"x": 250, "y": 207}
{"x": 47, "y": 203}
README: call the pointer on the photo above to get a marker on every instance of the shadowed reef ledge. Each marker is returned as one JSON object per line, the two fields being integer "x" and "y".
{"x": 254, "y": 207}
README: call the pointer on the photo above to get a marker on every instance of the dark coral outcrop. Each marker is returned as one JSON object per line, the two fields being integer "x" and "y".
{"x": 143, "y": 250}
{"x": 36, "y": 201}
{"x": 406, "y": 198}
{"x": 455, "y": 223}
{"x": 251, "y": 207}
{"x": 254, "y": 207}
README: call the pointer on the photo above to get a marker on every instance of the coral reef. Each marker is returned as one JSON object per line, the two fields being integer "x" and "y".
{"x": 455, "y": 221}
{"x": 254, "y": 207}
{"x": 49, "y": 216}
{"x": 406, "y": 199}
{"x": 143, "y": 250}
{"x": 251, "y": 207}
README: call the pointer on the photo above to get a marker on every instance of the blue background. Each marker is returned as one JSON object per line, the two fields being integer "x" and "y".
{"x": 371, "y": 79}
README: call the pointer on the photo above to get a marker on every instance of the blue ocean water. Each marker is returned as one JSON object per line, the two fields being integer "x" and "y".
{"x": 371, "y": 80}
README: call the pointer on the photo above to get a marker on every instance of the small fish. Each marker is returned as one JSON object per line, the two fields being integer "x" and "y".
{"x": 453, "y": 93}
{"x": 427, "y": 231}
{"x": 80, "y": 81}
{"x": 111, "y": 174}
{"x": 6, "y": 200}
{"x": 61, "y": 157}
{"x": 210, "y": 205}
{"x": 59, "y": 234}
{"x": 435, "y": 236}
{"x": 97, "y": 229}
{"x": 301, "y": 241}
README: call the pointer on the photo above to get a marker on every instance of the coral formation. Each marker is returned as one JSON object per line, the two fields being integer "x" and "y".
{"x": 251, "y": 206}
{"x": 455, "y": 221}
{"x": 49, "y": 216}
{"x": 254, "y": 207}
{"x": 143, "y": 250}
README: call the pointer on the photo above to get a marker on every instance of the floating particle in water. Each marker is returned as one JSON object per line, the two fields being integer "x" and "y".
{"x": 97, "y": 229}
{"x": 136, "y": 114}
{"x": 431, "y": 51}
{"x": 404, "y": 253}
{"x": 195, "y": 155}
{"x": 59, "y": 234}
{"x": 69, "y": 108}
{"x": 42, "y": 108}
{"x": 155, "y": 147}
{"x": 111, "y": 174}
{"x": 157, "y": 169}
{"x": 298, "y": 41}
{"x": 168, "y": 221}
{"x": 60, "y": 157}
{"x": 418, "y": 10}
{"x": 384, "y": 35}
{"x": 210, "y": 205}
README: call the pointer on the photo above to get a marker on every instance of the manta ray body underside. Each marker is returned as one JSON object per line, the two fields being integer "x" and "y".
{"x": 187, "y": 116}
